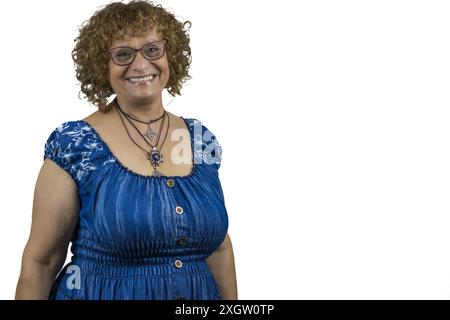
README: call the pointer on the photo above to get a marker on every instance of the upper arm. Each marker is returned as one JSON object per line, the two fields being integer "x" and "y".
{"x": 226, "y": 243}
{"x": 54, "y": 217}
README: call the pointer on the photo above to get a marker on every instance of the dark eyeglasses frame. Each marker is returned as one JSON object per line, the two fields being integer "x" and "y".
{"x": 136, "y": 50}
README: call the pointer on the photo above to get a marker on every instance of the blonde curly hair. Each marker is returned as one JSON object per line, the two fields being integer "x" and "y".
{"x": 116, "y": 21}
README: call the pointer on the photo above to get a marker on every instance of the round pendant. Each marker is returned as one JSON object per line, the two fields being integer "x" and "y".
{"x": 155, "y": 157}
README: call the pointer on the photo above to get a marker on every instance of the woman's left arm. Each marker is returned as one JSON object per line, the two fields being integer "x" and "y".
{"x": 221, "y": 264}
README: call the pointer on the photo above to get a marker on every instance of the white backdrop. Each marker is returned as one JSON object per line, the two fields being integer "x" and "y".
{"x": 333, "y": 117}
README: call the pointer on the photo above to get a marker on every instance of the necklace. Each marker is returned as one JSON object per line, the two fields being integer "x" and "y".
{"x": 154, "y": 156}
{"x": 149, "y": 133}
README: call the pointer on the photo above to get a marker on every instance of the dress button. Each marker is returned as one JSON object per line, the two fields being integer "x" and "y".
{"x": 181, "y": 241}
{"x": 181, "y": 298}
{"x": 170, "y": 183}
{"x": 178, "y": 263}
{"x": 179, "y": 210}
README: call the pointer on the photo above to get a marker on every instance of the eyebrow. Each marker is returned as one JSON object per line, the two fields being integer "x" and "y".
{"x": 128, "y": 45}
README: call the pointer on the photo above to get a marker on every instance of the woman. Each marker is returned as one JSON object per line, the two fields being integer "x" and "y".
{"x": 133, "y": 187}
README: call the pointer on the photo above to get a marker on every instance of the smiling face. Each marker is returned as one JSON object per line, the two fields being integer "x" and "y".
{"x": 138, "y": 92}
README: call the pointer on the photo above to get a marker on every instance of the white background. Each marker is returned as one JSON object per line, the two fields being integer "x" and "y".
{"x": 333, "y": 117}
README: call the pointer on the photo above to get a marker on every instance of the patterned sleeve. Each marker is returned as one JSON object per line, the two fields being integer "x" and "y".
{"x": 62, "y": 148}
{"x": 207, "y": 146}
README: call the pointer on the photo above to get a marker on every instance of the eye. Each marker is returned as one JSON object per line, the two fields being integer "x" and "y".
{"x": 151, "y": 50}
{"x": 123, "y": 53}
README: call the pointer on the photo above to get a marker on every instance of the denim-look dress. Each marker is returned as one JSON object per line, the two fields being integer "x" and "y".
{"x": 138, "y": 236}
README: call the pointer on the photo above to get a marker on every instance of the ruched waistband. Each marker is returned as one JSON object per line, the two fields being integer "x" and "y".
{"x": 171, "y": 267}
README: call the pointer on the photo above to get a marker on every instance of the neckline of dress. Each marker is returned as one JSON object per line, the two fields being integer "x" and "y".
{"x": 124, "y": 167}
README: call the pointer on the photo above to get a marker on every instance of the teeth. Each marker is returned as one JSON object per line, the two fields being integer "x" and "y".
{"x": 147, "y": 78}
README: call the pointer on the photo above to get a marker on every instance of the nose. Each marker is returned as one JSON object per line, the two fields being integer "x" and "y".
{"x": 139, "y": 61}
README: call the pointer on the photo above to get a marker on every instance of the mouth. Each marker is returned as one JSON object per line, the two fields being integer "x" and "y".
{"x": 142, "y": 81}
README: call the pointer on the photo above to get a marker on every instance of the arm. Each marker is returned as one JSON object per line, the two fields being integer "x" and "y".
{"x": 54, "y": 218}
{"x": 221, "y": 264}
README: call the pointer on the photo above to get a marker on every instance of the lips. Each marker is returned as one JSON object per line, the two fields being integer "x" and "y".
{"x": 141, "y": 83}
{"x": 153, "y": 74}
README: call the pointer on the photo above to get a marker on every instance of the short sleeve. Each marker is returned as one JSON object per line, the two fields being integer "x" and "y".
{"x": 71, "y": 146}
{"x": 206, "y": 145}
{"x": 60, "y": 149}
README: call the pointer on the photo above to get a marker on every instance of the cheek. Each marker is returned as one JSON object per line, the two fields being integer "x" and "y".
{"x": 166, "y": 70}
{"x": 114, "y": 75}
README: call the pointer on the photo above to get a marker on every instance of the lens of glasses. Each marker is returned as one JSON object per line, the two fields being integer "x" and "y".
{"x": 125, "y": 55}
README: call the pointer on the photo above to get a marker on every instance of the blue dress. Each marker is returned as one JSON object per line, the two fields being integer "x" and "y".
{"x": 139, "y": 237}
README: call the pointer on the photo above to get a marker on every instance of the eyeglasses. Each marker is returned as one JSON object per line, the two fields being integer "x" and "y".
{"x": 123, "y": 56}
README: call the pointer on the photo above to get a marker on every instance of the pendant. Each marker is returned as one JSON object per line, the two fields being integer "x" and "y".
{"x": 150, "y": 133}
{"x": 155, "y": 157}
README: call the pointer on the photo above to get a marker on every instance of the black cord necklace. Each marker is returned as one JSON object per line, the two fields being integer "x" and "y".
{"x": 154, "y": 156}
{"x": 149, "y": 133}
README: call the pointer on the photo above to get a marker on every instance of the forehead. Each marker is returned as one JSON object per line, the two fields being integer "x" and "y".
{"x": 133, "y": 41}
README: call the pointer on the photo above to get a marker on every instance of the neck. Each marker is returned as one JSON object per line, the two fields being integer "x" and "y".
{"x": 145, "y": 111}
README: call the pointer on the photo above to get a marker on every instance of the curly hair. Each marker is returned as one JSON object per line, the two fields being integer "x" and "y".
{"x": 116, "y": 21}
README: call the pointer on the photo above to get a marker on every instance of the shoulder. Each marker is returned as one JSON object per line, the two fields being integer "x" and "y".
{"x": 70, "y": 145}
{"x": 73, "y": 128}
{"x": 206, "y": 145}
{"x": 198, "y": 127}
{"x": 69, "y": 134}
